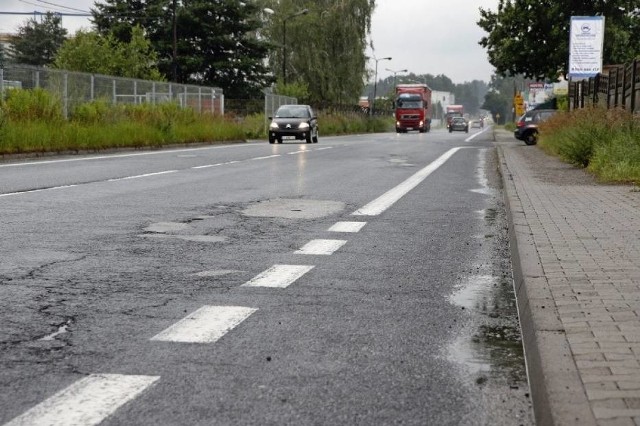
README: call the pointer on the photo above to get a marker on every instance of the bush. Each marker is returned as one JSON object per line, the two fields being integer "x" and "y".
{"x": 607, "y": 142}
{"x": 29, "y": 105}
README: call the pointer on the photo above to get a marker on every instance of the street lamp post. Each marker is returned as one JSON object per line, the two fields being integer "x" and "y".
{"x": 375, "y": 83}
{"x": 394, "y": 74}
{"x": 284, "y": 38}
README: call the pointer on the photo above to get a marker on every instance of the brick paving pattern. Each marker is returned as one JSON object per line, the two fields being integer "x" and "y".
{"x": 587, "y": 236}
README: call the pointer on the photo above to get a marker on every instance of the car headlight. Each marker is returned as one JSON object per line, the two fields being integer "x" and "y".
{"x": 303, "y": 126}
{"x": 273, "y": 126}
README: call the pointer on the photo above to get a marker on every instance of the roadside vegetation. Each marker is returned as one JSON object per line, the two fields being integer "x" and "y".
{"x": 605, "y": 142}
{"x": 31, "y": 121}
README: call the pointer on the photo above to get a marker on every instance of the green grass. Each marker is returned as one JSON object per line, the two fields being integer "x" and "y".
{"x": 31, "y": 121}
{"x": 605, "y": 142}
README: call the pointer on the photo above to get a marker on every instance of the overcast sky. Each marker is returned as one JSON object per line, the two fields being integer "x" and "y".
{"x": 422, "y": 36}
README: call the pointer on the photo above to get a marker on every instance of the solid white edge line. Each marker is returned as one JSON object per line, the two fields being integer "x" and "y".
{"x": 142, "y": 176}
{"x": 347, "y": 227}
{"x": 321, "y": 247}
{"x": 265, "y": 158}
{"x": 106, "y": 157}
{"x": 207, "y": 166}
{"x": 475, "y": 135}
{"x": 390, "y": 197}
{"x": 86, "y": 402}
{"x": 205, "y": 325}
{"x": 37, "y": 190}
{"x": 278, "y": 276}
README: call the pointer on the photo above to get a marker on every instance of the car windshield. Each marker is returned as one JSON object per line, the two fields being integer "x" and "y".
{"x": 292, "y": 112}
{"x": 458, "y": 120}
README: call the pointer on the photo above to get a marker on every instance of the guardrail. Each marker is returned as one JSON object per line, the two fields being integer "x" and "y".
{"x": 75, "y": 88}
{"x": 619, "y": 87}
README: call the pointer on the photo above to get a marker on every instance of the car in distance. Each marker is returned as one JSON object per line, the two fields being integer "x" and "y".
{"x": 527, "y": 125}
{"x": 459, "y": 124}
{"x": 297, "y": 122}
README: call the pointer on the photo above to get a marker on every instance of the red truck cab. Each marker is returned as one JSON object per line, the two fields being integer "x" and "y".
{"x": 453, "y": 111}
{"x": 413, "y": 108}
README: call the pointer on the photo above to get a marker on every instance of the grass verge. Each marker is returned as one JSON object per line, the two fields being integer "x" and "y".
{"x": 605, "y": 142}
{"x": 31, "y": 121}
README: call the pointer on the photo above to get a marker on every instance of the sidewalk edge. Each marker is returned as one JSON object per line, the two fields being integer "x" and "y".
{"x": 558, "y": 395}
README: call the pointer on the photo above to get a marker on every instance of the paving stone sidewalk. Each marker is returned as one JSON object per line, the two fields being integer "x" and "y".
{"x": 576, "y": 246}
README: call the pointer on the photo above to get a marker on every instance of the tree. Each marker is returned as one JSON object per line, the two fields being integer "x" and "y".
{"x": 531, "y": 37}
{"x": 88, "y": 51}
{"x": 214, "y": 43}
{"x": 37, "y": 42}
{"x": 325, "y": 48}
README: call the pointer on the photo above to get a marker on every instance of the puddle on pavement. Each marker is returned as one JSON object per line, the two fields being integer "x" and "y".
{"x": 494, "y": 343}
{"x": 488, "y": 347}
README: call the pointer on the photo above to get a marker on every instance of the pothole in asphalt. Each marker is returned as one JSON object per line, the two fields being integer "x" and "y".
{"x": 294, "y": 208}
{"x": 194, "y": 238}
{"x": 164, "y": 227}
{"x": 216, "y": 273}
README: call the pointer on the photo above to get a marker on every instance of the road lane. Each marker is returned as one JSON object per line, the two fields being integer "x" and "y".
{"x": 362, "y": 338}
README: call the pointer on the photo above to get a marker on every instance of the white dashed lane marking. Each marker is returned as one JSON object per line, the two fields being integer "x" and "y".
{"x": 86, "y": 402}
{"x": 321, "y": 247}
{"x": 278, "y": 276}
{"x": 206, "y": 325}
{"x": 347, "y": 227}
{"x": 390, "y": 197}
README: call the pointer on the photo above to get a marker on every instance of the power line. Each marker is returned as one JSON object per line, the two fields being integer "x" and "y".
{"x": 36, "y": 12}
{"x": 62, "y": 6}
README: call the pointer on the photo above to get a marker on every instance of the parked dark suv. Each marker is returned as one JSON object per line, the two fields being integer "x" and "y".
{"x": 294, "y": 122}
{"x": 527, "y": 126}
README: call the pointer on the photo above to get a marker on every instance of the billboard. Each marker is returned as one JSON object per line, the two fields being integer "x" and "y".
{"x": 585, "y": 46}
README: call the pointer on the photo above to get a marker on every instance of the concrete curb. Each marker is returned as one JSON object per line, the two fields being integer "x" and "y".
{"x": 558, "y": 395}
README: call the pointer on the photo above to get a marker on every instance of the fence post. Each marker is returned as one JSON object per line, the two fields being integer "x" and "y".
{"x": 37, "y": 84}
{"x": 115, "y": 99}
{"x": 93, "y": 84}
{"x": 213, "y": 98}
{"x": 200, "y": 100}
{"x": 633, "y": 85}
{"x": 624, "y": 87}
{"x": 65, "y": 95}
{"x": 615, "y": 96}
{"x": 153, "y": 93}
{"x": 135, "y": 92}
{"x": 1, "y": 85}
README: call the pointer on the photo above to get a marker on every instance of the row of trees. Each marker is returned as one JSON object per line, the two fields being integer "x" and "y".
{"x": 529, "y": 39}
{"x": 231, "y": 44}
{"x": 319, "y": 45}
{"x": 470, "y": 94}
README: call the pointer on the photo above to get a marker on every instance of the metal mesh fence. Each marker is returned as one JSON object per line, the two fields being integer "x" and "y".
{"x": 75, "y": 88}
{"x": 272, "y": 103}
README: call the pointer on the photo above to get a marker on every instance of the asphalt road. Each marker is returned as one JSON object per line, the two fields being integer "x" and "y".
{"x": 360, "y": 280}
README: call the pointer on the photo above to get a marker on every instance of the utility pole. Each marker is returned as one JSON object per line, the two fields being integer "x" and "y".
{"x": 174, "y": 59}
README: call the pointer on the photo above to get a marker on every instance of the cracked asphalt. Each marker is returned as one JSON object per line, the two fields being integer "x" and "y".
{"x": 412, "y": 321}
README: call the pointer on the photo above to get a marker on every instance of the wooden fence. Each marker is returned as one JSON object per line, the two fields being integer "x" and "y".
{"x": 618, "y": 87}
